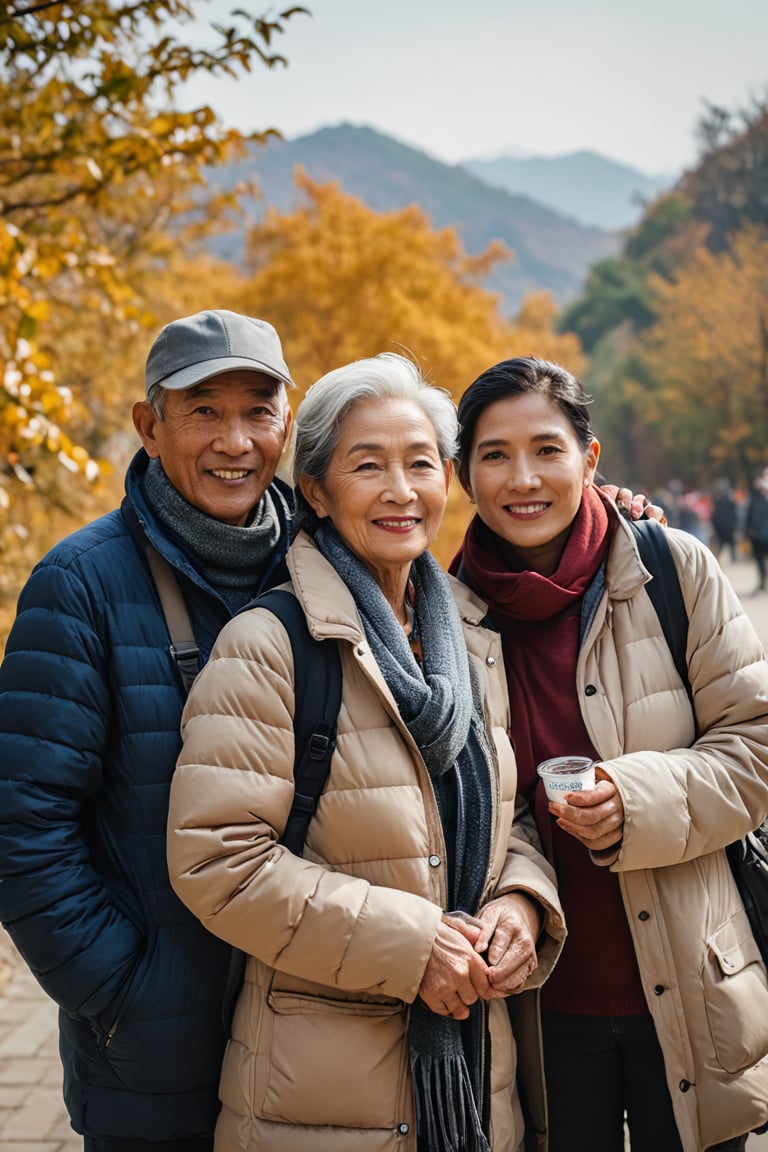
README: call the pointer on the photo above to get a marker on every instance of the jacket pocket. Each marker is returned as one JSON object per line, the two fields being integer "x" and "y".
{"x": 107, "y": 1023}
{"x": 736, "y": 995}
{"x": 336, "y": 1062}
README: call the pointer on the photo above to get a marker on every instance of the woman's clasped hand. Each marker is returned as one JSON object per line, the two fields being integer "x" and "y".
{"x": 482, "y": 958}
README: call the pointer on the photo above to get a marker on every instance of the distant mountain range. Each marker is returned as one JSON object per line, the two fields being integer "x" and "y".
{"x": 551, "y": 251}
{"x": 594, "y": 190}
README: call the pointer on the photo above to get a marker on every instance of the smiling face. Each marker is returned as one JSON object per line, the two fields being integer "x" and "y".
{"x": 220, "y": 442}
{"x": 385, "y": 489}
{"x": 526, "y": 472}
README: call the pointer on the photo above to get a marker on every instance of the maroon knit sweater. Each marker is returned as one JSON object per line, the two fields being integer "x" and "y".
{"x": 539, "y": 619}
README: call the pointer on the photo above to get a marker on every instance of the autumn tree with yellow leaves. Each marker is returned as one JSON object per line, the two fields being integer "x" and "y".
{"x": 340, "y": 282}
{"x": 675, "y": 326}
{"x": 103, "y": 219}
{"x": 707, "y": 355}
{"x": 87, "y": 128}
{"x": 97, "y": 166}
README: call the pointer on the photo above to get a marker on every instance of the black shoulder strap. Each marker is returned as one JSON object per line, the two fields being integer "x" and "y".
{"x": 317, "y": 694}
{"x": 317, "y": 683}
{"x": 664, "y": 592}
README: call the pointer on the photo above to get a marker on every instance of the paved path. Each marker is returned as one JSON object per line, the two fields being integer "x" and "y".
{"x": 32, "y": 1116}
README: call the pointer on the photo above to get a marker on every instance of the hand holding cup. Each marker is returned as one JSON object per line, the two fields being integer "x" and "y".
{"x": 592, "y": 814}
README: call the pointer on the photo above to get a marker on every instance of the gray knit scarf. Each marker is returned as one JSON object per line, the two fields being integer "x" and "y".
{"x": 441, "y": 706}
{"x": 231, "y": 559}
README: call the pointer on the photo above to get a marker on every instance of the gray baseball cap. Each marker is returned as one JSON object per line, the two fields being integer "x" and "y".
{"x": 194, "y": 348}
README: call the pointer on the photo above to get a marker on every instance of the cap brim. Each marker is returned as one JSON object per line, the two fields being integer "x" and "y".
{"x": 198, "y": 373}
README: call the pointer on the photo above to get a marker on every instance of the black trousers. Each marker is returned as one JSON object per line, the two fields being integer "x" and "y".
{"x": 598, "y": 1068}
{"x": 116, "y": 1144}
{"x": 760, "y": 553}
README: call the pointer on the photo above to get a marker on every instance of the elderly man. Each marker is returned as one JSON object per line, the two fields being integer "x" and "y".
{"x": 90, "y": 703}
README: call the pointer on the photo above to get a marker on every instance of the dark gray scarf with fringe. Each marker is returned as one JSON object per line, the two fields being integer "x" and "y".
{"x": 441, "y": 706}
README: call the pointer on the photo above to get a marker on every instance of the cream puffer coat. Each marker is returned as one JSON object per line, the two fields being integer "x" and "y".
{"x": 685, "y": 798}
{"x": 338, "y": 940}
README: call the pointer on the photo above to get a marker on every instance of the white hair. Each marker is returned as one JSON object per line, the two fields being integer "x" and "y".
{"x": 321, "y": 413}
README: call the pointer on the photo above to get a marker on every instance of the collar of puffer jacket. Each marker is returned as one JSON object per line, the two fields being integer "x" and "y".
{"x": 330, "y": 606}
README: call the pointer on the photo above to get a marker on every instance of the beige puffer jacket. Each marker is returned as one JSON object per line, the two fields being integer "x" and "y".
{"x": 340, "y": 938}
{"x": 702, "y": 974}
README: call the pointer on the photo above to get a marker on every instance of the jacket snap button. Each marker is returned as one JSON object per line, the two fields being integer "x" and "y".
{"x": 659, "y": 989}
{"x": 590, "y": 690}
{"x": 684, "y": 1085}
{"x": 403, "y": 1129}
{"x": 490, "y": 661}
{"x": 435, "y": 861}
{"x": 643, "y": 915}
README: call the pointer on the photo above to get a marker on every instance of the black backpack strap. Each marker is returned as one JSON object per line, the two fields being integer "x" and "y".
{"x": 748, "y": 857}
{"x": 317, "y": 684}
{"x": 664, "y": 592}
{"x": 317, "y": 699}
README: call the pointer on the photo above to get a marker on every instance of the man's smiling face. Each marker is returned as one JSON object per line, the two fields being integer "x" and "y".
{"x": 220, "y": 442}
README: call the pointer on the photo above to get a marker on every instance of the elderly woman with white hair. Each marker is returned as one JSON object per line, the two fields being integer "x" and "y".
{"x": 372, "y": 1016}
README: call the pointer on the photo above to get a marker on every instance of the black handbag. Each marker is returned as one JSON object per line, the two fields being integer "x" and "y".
{"x": 748, "y": 859}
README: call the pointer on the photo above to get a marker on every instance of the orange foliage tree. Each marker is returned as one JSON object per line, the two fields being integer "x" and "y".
{"x": 87, "y": 126}
{"x": 97, "y": 166}
{"x": 707, "y": 355}
{"x": 340, "y": 282}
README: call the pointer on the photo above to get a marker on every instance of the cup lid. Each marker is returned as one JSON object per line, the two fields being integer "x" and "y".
{"x": 564, "y": 766}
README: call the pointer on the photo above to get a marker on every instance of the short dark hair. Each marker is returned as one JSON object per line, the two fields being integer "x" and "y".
{"x": 518, "y": 377}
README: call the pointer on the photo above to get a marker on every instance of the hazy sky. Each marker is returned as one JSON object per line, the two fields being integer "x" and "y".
{"x": 485, "y": 77}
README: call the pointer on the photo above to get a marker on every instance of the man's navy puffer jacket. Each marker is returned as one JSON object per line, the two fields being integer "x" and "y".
{"x": 90, "y": 704}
